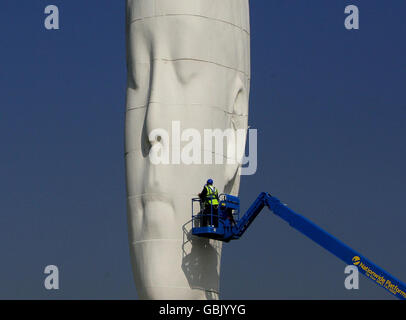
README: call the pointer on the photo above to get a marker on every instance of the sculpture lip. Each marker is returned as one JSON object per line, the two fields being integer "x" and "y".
{"x": 135, "y": 242}
{"x": 157, "y": 196}
{"x": 161, "y": 196}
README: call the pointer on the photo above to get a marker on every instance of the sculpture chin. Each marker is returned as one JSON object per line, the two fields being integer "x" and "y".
{"x": 168, "y": 262}
{"x": 158, "y": 262}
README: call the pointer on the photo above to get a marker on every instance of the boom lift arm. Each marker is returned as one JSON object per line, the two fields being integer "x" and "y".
{"x": 224, "y": 231}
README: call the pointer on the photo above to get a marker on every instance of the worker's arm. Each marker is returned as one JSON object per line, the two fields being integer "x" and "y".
{"x": 203, "y": 194}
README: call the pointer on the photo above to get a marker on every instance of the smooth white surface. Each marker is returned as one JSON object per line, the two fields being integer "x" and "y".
{"x": 188, "y": 61}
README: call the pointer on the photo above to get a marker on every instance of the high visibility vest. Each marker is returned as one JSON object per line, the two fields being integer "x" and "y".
{"x": 212, "y": 195}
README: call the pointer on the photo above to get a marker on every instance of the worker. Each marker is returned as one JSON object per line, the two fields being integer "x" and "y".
{"x": 210, "y": 199}
{"x": 230, "y": 217}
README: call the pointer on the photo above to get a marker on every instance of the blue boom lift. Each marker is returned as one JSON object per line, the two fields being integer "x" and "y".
{"x": 226, "y": 224}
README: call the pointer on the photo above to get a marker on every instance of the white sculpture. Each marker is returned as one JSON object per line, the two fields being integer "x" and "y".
{"x": 188, "y": 61}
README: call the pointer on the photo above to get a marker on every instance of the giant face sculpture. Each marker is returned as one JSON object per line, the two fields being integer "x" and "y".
{"x": 188, "y": 68}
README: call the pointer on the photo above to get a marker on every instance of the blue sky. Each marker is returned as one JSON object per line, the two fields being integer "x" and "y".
{"x": 329, "y": 106}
